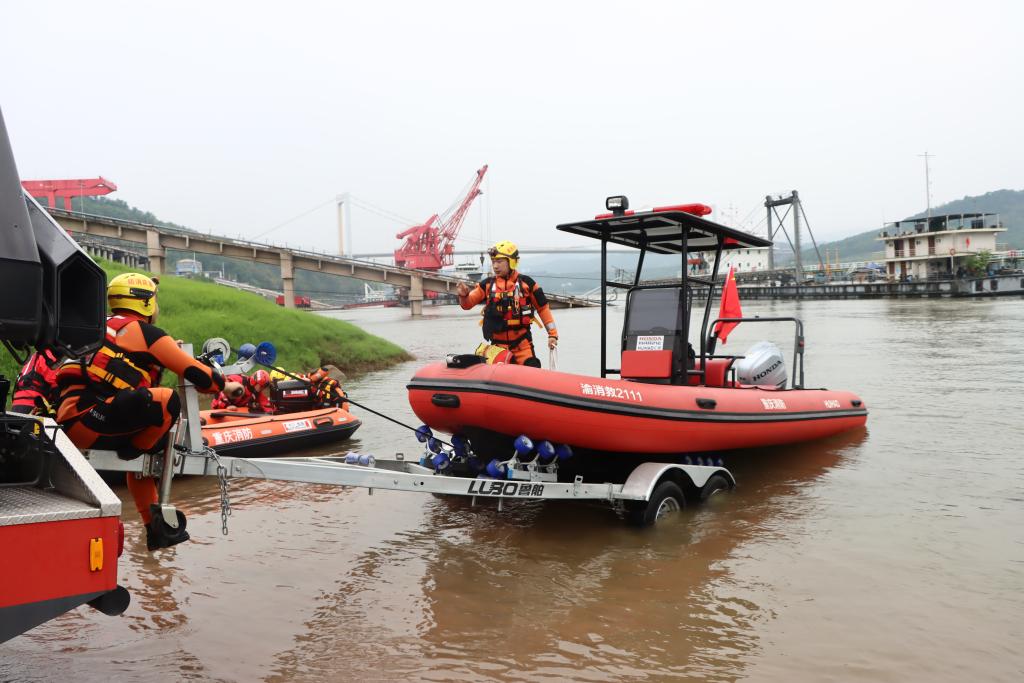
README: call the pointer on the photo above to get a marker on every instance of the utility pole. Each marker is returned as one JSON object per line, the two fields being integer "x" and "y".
{"x": 927, "y": 183}
{"x": 771, "y": 234}
{"x": 798, "y": 269}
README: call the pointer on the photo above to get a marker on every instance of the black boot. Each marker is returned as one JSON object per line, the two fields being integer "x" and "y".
{"x": 128, "y": 452}
{"x": 159, "y": 534}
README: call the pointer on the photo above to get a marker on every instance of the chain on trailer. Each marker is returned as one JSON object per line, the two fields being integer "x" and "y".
{"x": 222, "y": 481}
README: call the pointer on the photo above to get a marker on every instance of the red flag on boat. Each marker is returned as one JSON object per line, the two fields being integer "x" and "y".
{"x": 729, "y": 308}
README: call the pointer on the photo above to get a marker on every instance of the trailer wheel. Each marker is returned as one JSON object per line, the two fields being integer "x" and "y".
{"x": 667, "y": 499}
{"x": 716, "y": 483}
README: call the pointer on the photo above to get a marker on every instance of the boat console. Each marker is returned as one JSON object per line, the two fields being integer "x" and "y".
{"x": 655, "y": 349}
{"x": 659, "y": 311}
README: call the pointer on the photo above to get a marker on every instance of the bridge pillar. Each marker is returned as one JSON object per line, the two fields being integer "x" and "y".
{"x": 416, "y": 296}
{"x": 156, "y": 252}
{"x": 287, "y": 280}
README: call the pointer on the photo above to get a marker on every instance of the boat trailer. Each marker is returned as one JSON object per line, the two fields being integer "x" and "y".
{"x": 401, "y": 475}
{"x": 642, "y": 495}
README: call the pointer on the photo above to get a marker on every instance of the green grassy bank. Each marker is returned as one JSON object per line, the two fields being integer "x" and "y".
{"x": 194, "y": 310}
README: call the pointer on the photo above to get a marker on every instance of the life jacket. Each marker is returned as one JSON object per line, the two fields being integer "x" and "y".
{"x": 494, "y": 355}
{"x": 111, "y": 368}
{"x": 259, "y": 402}
{"x": 510, "y": 310}
{"x": 222, "y": 400}
{"x": 36, "y": 387}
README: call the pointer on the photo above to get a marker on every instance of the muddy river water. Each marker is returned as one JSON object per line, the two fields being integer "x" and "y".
{"x": 894, "y": 553}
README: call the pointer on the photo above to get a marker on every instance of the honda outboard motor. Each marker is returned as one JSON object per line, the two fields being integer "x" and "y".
{"x": 762, "y": 365}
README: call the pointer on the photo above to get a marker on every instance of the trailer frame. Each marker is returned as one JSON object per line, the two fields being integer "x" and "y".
{"x": 186, "y": 454}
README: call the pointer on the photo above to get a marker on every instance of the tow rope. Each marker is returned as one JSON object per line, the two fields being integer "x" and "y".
{"x": 355, "y": 403}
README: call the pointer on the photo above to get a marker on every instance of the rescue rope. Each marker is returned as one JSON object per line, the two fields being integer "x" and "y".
{"x": 391, "y": 419}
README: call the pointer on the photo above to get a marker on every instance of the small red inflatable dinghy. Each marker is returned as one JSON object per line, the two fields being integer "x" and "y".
{"x": 258, "y": 435}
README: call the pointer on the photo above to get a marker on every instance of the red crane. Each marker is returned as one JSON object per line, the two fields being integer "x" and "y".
{"x": 66, "y": 189}
{"x": 431, "y": 247}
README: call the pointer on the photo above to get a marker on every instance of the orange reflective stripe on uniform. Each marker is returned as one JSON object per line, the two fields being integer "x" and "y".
{"x": 111, "y": 365}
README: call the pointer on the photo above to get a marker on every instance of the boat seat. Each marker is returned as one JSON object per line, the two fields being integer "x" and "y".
{"x": 716, "y": 372}
{"x": 646, "y": 365}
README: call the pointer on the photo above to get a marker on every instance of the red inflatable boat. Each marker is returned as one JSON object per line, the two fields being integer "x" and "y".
{"x": 255, "y": 435}
{"x": 625, "y": 416}
{"x": 667, "y": 398}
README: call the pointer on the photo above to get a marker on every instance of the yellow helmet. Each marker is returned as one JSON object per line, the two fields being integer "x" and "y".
{"x": 276, "y": 374}
{"x": 508, "y": 250}
{"x": 134, "y": 292}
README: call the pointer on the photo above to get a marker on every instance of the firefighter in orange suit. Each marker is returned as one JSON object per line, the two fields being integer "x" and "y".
{"x": 510, "y": 301}
{"x": 114, "y": 400}
{"x": 245, "y": 391}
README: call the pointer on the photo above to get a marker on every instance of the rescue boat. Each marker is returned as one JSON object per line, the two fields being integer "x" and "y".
{"x": 258, "y": 435}
{"x": 667, "y": 399}
{"x": 623, "y": 415}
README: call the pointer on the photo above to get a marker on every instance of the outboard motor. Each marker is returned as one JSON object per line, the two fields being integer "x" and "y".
{"x": 762, "y": 366}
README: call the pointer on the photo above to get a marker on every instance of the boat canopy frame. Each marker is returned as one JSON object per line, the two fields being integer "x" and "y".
{"x": 662, "y": 231}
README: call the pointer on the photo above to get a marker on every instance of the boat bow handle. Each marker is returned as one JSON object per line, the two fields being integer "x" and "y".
{"x": 445, "y": 400}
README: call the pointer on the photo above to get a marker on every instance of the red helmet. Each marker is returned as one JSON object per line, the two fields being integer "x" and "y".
{"x": 259, "y": 380}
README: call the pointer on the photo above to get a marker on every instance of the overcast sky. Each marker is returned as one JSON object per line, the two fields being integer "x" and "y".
{"x": 236, "y": 117}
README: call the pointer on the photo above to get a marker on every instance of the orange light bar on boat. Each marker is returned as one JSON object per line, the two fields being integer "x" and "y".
{"x": 695, "y": 209}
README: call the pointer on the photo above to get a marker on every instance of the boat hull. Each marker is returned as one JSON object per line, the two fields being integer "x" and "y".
{"x": 619, "y": 416}
{"x": 256, "y": 435}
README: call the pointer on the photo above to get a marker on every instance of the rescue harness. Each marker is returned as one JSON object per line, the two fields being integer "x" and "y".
{"x": 110, "y": 369}
{"x": 509, "y": 310}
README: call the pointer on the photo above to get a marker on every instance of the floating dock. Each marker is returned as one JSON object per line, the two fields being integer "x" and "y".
{"x": 996, "y": 285}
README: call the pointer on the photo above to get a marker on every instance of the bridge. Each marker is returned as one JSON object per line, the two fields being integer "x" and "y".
{"x": 158, "y": 239}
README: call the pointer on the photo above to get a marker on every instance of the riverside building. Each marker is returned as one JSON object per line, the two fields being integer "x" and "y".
{"x": 937, "y": 248}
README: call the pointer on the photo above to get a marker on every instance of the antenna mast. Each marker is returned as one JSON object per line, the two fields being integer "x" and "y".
{"x": 927, "y": 183}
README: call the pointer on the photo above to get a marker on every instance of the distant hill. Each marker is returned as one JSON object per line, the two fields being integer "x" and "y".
{"x": 119, "y": 209}
{"x": 1009, "y": 204}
